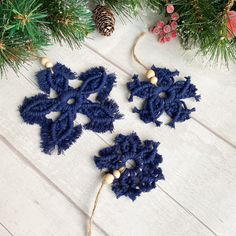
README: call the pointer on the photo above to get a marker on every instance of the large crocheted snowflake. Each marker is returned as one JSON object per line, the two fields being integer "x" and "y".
{"x": 142, "y": 175}
{"x": 164, "y": 97}
{"x": 62, "y": 132}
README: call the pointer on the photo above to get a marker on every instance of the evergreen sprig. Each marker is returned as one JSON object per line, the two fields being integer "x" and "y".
{"x": 22, "y": 32}
{"x": 126, "y": 8}
{"x": 27, "y": 27}
{"x": 203, "y": 23}
{"x": 69, "y": 21}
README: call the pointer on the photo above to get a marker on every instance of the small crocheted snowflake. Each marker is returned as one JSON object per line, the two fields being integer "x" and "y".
{"x": 62, "y": 132}
{"x": 145, "y": 172}
{"x": 164, "y": 97}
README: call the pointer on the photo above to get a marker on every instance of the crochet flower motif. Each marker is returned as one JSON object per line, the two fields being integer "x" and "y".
{"x": 164, "y": 97}
{"x": 144, "y": 173}
{"x": 62, "y": 132}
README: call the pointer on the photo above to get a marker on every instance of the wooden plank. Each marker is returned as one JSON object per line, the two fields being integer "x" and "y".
{"x": 4, "y": 231}
{"x": 153, "y": 213}
{"x": 217, "y": 85}
{"x": 31, "y": 206}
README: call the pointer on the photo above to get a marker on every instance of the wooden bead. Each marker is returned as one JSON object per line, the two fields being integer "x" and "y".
{"x": 108, "y": 179}
{"x": 49, "y": 65}
{"x": 122, "y": 169}
{"x": 153, "y": 80}
{"x": 116, "y": 174}
{"x": 44, "y": 61}
{"x": 150, "y": 74}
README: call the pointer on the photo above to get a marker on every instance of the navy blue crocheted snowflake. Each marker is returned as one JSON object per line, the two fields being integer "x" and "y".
{"x": 144, "y": 173}
{"x": 62, "y": 132}
{"x": 166, "y": 96}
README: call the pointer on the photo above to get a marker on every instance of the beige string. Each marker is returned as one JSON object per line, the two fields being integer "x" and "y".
{"x": 106, "y": 181}
{"x": 94, "y": 209}
{"x": 134, "y": 51}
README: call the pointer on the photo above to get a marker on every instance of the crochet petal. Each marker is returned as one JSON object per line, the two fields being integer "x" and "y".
{"x": 184, "y": 89}
{"x": 101, "y": 115}
{"x": 140, "y": 89}
{"x": 165, "y": 76}
{"x": 96, "y": 80}
{"x": 179, "y": 112}
{"x": 152, "y": 109}
{"x": 56, "y": 78}
{"x": 34, "y": 109}
{"x": 60, "y": 134}
{"x": 128, "y": 143}
{"x": 126, "y": 186}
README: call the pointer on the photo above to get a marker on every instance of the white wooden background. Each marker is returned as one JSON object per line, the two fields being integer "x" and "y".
{"x": 53, "y": 195}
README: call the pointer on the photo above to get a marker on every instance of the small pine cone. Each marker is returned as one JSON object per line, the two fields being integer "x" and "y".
{"x": 104, "y": 19}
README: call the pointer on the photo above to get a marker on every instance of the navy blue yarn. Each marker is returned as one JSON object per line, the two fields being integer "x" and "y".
{"x": 62, "y": 132}
{"x": 172, "y": 103}
{"x": 143, "y": 176}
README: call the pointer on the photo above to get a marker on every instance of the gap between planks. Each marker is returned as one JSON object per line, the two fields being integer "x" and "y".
{"x": 17, "y": 152}
{"x": 5, "y": 228}
{"x": 129, "y": 75}
{"x": 52, "y": 184}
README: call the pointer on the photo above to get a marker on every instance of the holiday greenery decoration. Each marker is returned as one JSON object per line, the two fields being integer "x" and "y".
{"x": 124, "y": 7}
{"x": 205, "y": 24}
{"x": 61, "y": 133}
{"x": 26, "y": 27}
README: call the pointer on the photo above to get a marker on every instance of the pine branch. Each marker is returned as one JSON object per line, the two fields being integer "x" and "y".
{"x": 69, "y": 20}
{"x": 26, "y": 27}
{"x": 22, "y": 32}
{"x": 203, "y": 24}
{"x": 127, "y": 8}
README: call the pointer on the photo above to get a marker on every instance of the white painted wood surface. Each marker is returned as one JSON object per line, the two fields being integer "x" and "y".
{"x": 51, "y": 195}
{"x": 4, "y": 231}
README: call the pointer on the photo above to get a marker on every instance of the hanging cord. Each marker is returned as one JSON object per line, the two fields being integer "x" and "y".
{"x": 150, "y": 74}
{"x": 44, "y": 61}
{"x": 107, "y": 179}
{"x": 134, "y": 50}
{"x": 94, "y": 208}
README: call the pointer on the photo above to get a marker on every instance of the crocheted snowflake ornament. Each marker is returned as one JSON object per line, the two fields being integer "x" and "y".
{"x": 165, "y": 96}
{"x": 62, "y": 132}
{"x": 144, "y": 173}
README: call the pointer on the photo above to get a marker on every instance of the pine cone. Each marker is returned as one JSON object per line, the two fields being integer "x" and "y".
{"x": 104, "y": 19}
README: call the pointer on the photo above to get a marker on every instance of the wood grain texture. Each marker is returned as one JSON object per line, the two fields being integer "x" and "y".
{"x": 76, "y": 174}
{"x": 198, "y": 196}
{"x": 30, "y": 206}
{"x": 199, "y": 167}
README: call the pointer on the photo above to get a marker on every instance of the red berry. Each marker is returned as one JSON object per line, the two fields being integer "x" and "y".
{"x": 170, "y": 8}
{"x": 161, "y": 40}
{"x": 175, "y": 16}
{"x": 167, "y": 38}
{"x": 160, "y": 24}
{"x": 174, "y": 34}
{"x": 156, "y": 30}
{"x": 173, "y": 25}
{"x": 231, "y": 24}
{"x": 167, "y": 29}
